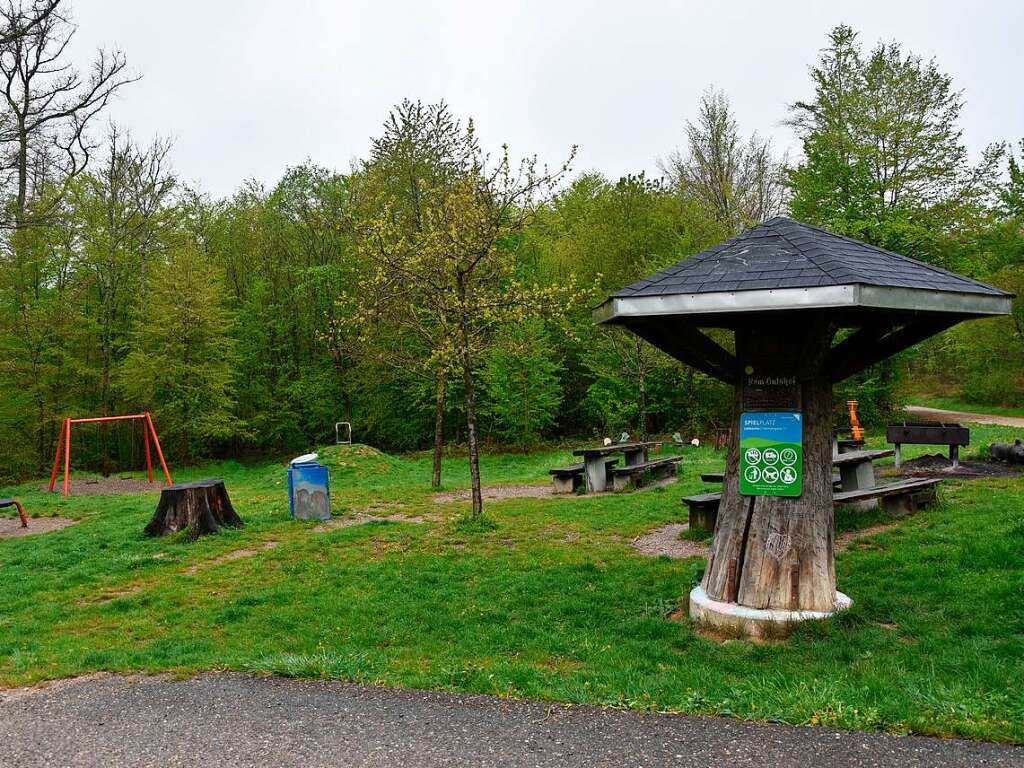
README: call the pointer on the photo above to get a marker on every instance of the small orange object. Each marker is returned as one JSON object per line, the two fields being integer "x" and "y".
{"x": 855, "y": 428}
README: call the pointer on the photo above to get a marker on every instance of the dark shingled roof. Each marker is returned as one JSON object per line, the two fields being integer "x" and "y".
{"x": 783, "y": 253}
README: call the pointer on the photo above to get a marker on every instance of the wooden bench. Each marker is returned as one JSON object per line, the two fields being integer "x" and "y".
{"x": 570, "y": 479}
{"x": 660, "y": 469}
{"x": 4, "y": 503}
{"x": 899, "y": 497}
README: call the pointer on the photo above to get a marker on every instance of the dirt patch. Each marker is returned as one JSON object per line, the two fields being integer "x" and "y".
{"x": 10, "y": 527}
{"x": 361, "y": 519}
{"x": 498, "y": 492}
{"x": 666, "y": 541}
{"x": 236, "y": 554}
{"x": 109, "y": 595}
{"x": 107, "y": 486}
{"x": 937, "y": 465}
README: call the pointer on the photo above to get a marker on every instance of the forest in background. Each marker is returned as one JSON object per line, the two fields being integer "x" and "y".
{"x": 434, "y": 293}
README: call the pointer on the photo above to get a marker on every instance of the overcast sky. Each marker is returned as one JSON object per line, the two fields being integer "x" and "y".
{"x": 247, "y": 88}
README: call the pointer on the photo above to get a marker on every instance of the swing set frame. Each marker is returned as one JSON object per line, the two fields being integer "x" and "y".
{"x": 64, "y": 447}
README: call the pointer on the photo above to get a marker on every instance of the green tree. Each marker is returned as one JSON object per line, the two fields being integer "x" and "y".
{"x": 182, "y": 364}
{"x": 522, "y": 385}
{"x": 884, "y": 158}
{"x": 458, "y": 268}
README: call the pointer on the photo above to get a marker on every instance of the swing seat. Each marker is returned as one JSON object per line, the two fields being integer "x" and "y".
{"x": 4, "y": 503}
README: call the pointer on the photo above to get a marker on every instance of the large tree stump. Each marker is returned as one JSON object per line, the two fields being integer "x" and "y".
{"x": 768, "y": 551}
{"x": 201, "y": 507}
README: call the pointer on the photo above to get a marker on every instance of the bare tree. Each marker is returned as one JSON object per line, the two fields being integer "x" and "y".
{"x": 50, "y": 104}
{"x": 739, "y": 183}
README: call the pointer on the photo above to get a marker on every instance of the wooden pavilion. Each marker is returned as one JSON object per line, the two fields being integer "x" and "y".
{"x": 782, "y": 312}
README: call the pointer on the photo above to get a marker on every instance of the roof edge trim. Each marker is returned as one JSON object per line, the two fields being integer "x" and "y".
{"x": 821, "y": 297}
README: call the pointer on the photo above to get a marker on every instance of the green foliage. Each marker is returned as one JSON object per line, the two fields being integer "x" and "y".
{"x": 182, "y": 365}
{"x": 522, "y": 384}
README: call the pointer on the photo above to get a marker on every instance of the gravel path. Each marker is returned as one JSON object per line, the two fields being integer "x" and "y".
{"x": 10, "y": 527}
{"x": 234, "y": 720}
{"x": 938, "y": 414}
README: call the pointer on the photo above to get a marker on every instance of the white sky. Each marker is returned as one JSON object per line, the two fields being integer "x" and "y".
{"x": 247, "y": 87}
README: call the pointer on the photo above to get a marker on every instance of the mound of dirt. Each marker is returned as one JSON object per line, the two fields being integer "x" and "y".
{"x": 10, "y": 527}
{"x": 937, "y": 465}
{"x": 107, "y": 486}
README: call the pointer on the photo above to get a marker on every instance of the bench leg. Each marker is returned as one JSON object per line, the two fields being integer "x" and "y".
{"x": 563, "y": 484}
{"x": 622, "y": 482}
{"x": 954, "y": 455}
{"x": 21, "y": 514}
{"x": 898, "y": 456}
{"x": 904, "y": 504}
{"x": 703, "y": 517}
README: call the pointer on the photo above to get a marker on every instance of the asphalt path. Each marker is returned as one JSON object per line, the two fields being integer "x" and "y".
{"x": 229, "y": 720}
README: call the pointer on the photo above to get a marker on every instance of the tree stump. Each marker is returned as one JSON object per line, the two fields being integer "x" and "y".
{"x": 769, "y": 551}
{"x": 201, "y": 507}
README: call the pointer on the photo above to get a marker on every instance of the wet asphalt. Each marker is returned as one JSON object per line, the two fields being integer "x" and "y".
{"x": 236, "y": 720}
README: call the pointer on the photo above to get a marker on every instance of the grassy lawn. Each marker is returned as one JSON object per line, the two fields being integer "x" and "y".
{"x": 551, "y": 601}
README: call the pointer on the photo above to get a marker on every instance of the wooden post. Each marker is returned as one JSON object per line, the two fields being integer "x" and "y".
{"x": 768, "y": 538}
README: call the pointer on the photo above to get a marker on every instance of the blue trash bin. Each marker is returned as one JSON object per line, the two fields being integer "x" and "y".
{"x": 309, "y": 489}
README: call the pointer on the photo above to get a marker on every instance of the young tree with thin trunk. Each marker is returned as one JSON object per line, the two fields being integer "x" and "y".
{"x": 456, "y": 270}
{"x": 416, "y": 158}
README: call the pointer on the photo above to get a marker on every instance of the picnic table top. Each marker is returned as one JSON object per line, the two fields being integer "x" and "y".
{"x": 858, "y": 457}
{"x": 604, "y": 450}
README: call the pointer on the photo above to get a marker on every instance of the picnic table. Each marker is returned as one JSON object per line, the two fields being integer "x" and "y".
{"x": 856, "y": 468}
{"x": 595, "y": 474}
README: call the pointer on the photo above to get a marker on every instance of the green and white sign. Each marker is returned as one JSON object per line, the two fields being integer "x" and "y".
{"x": 771, "y": 454}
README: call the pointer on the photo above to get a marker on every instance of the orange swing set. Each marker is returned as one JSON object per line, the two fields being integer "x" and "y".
{"x": 64, "y": 447}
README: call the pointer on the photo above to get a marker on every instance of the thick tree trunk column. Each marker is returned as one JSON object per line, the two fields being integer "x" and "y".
{"x": 201, "y": 507}
{"x": 776, "y": 552}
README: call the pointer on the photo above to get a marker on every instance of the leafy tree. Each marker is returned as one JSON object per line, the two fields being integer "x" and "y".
{"x": 884, "y": 158}
{"x": 457, "y": 268}
{"x": 416, "y": 162}
{"x": 182, "y": 365}
{"x": 739, "y": 183}
{"x": 522, "y": 384}
{"x": 1011, "y": 194}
